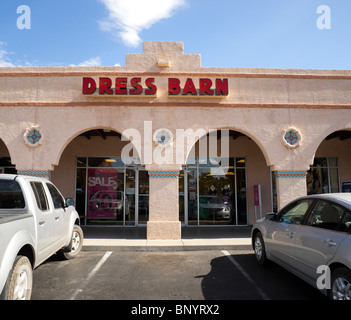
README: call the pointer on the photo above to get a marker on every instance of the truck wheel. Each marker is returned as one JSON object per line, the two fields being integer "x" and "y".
{"x": 75, "y": 245}
{"x": 20, "y": 280}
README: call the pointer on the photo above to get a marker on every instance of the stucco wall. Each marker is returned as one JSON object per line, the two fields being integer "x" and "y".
{"x": 261, "y": 104}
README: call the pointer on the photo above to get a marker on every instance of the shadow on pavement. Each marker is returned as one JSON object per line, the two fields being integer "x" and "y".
{"x": 226, "y": 282}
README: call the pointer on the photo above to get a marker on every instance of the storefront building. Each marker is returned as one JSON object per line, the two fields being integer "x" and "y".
{"x": 164, "y": 142}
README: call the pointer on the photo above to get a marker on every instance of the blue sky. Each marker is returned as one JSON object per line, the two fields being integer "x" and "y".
{"x": 227, "y": 33}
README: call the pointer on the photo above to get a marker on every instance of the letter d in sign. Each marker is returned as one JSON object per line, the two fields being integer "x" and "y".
{"x": 89, "y": 85}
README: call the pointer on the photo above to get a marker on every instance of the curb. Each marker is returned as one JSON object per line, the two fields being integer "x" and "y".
{"x": 165, "y": 245}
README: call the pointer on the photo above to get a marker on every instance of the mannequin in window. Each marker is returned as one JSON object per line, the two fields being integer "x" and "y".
{"x": 212, "y": 190}
{"x": 316, "y": 184}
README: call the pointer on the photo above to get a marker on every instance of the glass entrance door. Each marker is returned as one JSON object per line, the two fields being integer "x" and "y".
{"x": 108, "y": 192}
{"x": 192, "y": 194}
{"x": 130, "y": 191}
{"x": 214, "y": 197}
{"x": 105, "y": 194}
{"x": 143, "y": 197}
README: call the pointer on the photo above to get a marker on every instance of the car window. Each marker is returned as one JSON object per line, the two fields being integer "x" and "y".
{"x": 56, "y": 196}
{"x": 346, "y": 222}
{"x": 11, "y": 196}
{"x": 326, "y": 215}
{"x": 40, "y": 195}
{"x": 296, "y": 212}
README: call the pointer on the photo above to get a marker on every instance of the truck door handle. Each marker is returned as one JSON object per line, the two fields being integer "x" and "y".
{"x": 329, "y": 243}
{"x": 291, "y": 235}
{"x": 57, "y": 218}
{"x": 41, "y": 222}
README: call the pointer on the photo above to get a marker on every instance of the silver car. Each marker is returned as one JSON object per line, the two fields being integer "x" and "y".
{"x": 311, "y": 238}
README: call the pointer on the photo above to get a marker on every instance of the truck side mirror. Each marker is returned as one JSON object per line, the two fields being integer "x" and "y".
{"x": 69, "y": 202}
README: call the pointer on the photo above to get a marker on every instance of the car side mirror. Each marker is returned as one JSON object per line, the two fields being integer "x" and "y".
{"x": 69, "y": 202}
{"x": 273, "y": 216}
{"x": 269, "y": 215}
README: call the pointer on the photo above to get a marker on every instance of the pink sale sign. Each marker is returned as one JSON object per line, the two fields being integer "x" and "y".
{"x": 104, "y": 199}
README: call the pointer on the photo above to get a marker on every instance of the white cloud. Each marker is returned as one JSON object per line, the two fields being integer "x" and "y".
{"x": 130, "y": 17}
{"x": 5, "y": 61}
{"x": 92, "y": 62}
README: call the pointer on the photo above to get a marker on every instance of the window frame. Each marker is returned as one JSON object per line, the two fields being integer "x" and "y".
{"x": 50, "y": 185}
{"x": 34, "y": 187}
{"x": 22, "y": 201}
{"x": 286, "y": 209}
{"x": 341, "y": 219}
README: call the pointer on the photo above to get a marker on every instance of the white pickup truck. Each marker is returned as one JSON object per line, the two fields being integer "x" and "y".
{"x": 35, "y": 222}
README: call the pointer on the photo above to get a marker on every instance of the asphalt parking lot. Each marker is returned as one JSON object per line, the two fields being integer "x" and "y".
{"x": 178, "y": 275}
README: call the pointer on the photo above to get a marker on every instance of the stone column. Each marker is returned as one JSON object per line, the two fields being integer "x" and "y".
{"x": 290, "y": 186}
{"x": 164, "y": 206}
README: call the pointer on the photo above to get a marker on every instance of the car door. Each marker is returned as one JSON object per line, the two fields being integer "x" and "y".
{"x": 281, "y": 234}
{"x": 45, "y": 221}
{"x": 59, "y": 213}
{"x": 318, "y": 240}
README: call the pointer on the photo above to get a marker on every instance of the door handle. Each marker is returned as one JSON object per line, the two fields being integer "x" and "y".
{"x": 291, "y": 235}
{"x": 329, "y": 243}
{"x": 41, "y": 222}
{"x": 57, "y": 218}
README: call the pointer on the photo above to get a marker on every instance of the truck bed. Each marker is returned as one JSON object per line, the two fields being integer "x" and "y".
{"x": 13, "y": 216}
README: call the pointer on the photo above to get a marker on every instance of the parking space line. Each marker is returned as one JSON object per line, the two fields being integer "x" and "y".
{"x": 92, "y": 273}
{"x": 245, "y": 274}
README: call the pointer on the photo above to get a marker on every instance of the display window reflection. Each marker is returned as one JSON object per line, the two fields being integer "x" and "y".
{"x": 323, "y": 176}
{"x": 111, "y": 193}
{"x": 214, "y": 195}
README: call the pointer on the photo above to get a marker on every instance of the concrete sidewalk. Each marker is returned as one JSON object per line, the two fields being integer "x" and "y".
{"x": 193, "y": 238}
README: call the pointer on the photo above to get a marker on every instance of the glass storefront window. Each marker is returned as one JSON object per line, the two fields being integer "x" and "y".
{"x": 143, "y": 203}
{"x": 241, "y": 196}
{"x": 105, "y": 162}
{"x": 80, "y": 193}
{"x": 216, "y": 198}
{"x": 105, "y": 195}
{"x": 130, "y": 193}
{"x": 323, "y": 176}
{"x": 82, "y": 162}
{"x": 240, "y": 162}
{"x": 192, "y": 195}
{"x": 213, "y": 196}
{"x": 181, "y": 196}
{"x": 6, "y": 166}
{"x": 107, "y": 190}
{"x": 110, "y": 194}
{"x": 334, "y": 179}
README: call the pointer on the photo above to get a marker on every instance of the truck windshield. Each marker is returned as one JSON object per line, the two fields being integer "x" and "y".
{"x": 11, "y": 196}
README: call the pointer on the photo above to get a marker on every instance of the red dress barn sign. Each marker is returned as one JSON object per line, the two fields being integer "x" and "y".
{"x": 135, "y": 86}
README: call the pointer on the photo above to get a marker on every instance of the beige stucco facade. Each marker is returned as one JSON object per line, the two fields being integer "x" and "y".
{"x": 261, "y": 104}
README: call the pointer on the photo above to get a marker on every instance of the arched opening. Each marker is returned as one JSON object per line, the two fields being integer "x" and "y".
{"x": 221, "y": 193}
{"x": 5, "y": 160}
{"x": 108, "y": 189}
{"x": 331, "y": 171}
